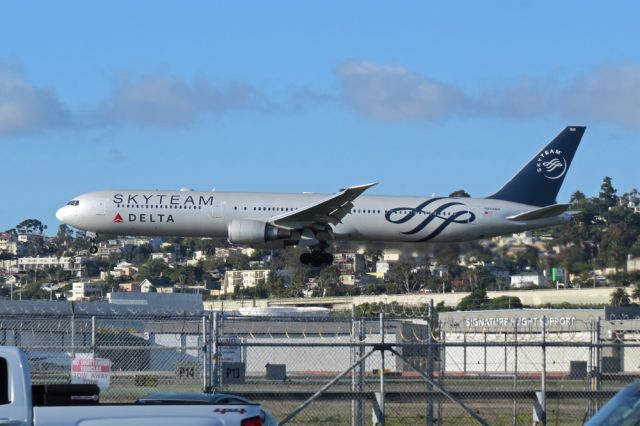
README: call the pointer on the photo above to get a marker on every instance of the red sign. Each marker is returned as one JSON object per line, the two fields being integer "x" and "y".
{"x": 91, "y": 370}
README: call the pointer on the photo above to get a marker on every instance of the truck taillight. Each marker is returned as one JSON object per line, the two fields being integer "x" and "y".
{"x": 253, "y": 421}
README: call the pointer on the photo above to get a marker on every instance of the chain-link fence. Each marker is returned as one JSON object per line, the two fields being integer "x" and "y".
{"x": 500, "y": 367}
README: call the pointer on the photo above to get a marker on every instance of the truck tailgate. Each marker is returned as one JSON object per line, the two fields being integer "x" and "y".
{"x": 141, "y": 415}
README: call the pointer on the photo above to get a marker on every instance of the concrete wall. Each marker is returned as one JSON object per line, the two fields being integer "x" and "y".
{"x": 588, "y": 296}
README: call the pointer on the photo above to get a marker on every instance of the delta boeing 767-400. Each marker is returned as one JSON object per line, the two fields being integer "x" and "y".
{"x": 276, "y": 220}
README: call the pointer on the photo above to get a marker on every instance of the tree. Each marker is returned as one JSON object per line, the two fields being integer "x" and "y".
{"x": 635, "y": 293}
{"x": 329, "y": 281}
{"x": 461, "y": 193}
{"x": 607, "y": 193}
{"x": 62, "y": 237}
{"x": 400, "y": 276}
{"x": 29, "y": 226}
{"x": 619, "y": 297}
{"x": 153, "y": 268}
{"x": 477, "y": 299}
{"x": 504, "y": 302}
{"x": 577, "y": 197}
{"x": 275, "y": 285}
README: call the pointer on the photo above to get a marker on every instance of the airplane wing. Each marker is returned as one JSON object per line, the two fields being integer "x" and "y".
{"x": 541, "y": 213}
{"x": 330, "y": 210}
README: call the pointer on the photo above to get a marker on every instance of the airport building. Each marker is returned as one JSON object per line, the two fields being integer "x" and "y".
{"x": 476, "y": 336}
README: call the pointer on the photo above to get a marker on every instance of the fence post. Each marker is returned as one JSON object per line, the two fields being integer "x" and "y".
{"x": 515, "y": 374}
{"x": 442, "y": 370}
{"x": 381, "y": 398}
{"x": 590, "y": 367}
{"x": 464, "y": 352}
{"x": 543, "y": 384}
{"x": 93, "y": 336}
{"x": 598, "y": 363}
{"x": 73, "y": 332}
{"x": 206, "y": 356}
{"x": 361, "y": 369}
{"x": 215, "y": 352}
{"x": 354, "y": 379}
{"x": 430, "y": 362}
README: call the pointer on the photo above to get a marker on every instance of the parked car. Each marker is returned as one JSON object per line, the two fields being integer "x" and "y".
{"x": 621, "y": 410}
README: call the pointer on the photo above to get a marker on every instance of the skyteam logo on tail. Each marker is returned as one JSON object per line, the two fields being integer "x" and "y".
{"x": 551, "y": 163}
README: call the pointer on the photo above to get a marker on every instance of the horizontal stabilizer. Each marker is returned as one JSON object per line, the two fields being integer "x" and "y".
{"x": 541, "y": 213}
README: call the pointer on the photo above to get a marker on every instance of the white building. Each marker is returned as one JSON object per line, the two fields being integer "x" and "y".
{"x": 248, "y": 251}
{"x": 243, "y": 279}
{"x": 528, "y": 279}
{"x": 165, "y": 257}
{"x": 6, "y": 240}
{"x": 633, "y": 263}
{"x": 121, "y": 270}
{"x": 84, "y": 291}
{"x": 160, "y": 285}
{"x": 382, "y": 268}
{"x": 72, "y": 264}
{"x": 391, "y": 255}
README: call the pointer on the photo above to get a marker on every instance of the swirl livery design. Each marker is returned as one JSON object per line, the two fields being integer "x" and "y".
{"x": 441, "y": 215}
{"x": 551, "y": 164}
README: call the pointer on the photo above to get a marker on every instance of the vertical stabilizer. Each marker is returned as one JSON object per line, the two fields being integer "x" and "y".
{"x": 539, "y": 181}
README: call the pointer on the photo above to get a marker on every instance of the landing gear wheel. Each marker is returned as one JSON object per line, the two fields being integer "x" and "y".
{"x": 305, "y": 258}
{"x": 326, "y": 258}
{"x": 316, "y": 258}
{"x": 94, "y": 248}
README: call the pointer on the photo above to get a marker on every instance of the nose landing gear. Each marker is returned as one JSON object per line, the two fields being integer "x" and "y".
{"x": 94, "y": 248}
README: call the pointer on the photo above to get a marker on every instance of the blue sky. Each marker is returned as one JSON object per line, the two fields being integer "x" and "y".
{"x": 423, "y": 97}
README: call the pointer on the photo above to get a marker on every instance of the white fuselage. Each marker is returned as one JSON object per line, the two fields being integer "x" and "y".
{"x": 372, "y": 218}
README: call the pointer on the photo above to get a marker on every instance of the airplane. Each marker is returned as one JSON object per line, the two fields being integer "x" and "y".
{"x": 277, "y": 220}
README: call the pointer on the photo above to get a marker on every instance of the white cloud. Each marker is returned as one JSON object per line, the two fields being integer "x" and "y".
{"x": 168, "y": 101}
{"x": 608, "y": 94}
{"x": 394, "y": 93}
{"x": 25, "y": 108}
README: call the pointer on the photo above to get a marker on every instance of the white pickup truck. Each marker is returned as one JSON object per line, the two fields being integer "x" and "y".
{"x": 22, "y": 404}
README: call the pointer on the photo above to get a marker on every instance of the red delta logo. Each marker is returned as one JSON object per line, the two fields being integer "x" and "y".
{"x": 117, "y": 218}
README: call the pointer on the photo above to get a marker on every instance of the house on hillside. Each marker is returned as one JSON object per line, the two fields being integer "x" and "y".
{"x": 159, "y": 284}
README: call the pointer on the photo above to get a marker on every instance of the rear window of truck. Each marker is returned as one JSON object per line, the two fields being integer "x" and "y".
{"x": 4, "y": 382}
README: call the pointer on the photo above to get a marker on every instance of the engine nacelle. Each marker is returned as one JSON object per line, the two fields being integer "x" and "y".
{"x": 254, "y": 232}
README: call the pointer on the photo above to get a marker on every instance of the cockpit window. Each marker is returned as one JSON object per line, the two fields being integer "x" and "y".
{"x": 73, "y": 203}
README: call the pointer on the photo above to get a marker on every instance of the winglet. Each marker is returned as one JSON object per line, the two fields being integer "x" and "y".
{"x": 359, "y": 187}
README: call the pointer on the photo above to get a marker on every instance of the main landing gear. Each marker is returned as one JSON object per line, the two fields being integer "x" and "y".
{"x": 316, "y": 258}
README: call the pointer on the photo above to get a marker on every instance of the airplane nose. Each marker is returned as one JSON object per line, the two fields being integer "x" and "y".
{"x": 60, "y": 214}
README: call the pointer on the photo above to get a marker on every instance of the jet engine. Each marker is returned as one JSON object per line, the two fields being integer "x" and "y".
{"x": 255, "y": 232}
